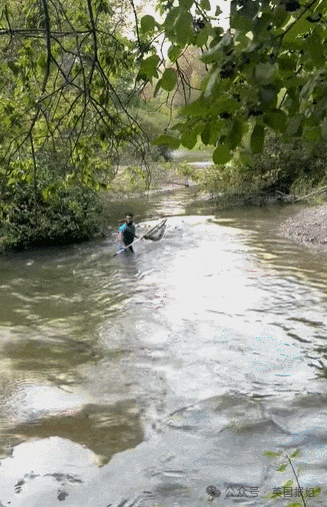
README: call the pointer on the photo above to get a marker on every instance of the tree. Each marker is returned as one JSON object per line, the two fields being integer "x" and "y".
{"x": 267, "y": 72}
{"x": 66, "y": 85}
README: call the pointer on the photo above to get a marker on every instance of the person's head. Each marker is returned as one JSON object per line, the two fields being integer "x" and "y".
{"x": 129, "y": 218}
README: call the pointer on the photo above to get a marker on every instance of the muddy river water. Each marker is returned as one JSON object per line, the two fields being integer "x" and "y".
{"x": 143, "y": 381}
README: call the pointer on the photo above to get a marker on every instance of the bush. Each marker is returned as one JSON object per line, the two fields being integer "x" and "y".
{"x": 283, "y": 167}
{"x": 69, "y": 215}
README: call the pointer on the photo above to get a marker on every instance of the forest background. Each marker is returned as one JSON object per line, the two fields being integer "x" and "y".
{"x": 99, "y": 91}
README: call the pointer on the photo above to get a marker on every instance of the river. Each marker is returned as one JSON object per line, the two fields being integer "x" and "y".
{"x": 142, "y": 381}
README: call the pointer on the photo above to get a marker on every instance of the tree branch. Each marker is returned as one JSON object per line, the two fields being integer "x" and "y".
{"x": 48, "y": 37}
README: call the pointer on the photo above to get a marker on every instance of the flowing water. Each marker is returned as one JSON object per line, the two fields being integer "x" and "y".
{"x": 142, "y": 381}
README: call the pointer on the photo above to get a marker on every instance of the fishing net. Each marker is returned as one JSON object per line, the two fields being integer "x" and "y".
{"x": 157, "y": 232}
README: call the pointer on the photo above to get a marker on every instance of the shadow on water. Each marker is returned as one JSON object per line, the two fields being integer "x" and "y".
{"x": 104, "y": 430}
{"x": 59, "y": 354}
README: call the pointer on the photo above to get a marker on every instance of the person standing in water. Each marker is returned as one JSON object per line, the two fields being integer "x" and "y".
{"x": 126, "y": 233}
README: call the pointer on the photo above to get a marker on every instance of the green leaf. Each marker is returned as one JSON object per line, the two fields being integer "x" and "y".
{"x": 148, "y": 66}
{"x": 272, "y": 454}
{"x": 282, "y": 467}
{"x": 295, "y": 453}
{"x": 157, "y": 88}
{"x": 242, "y": 23}
{"x": 315, "y": 49}
{"x": 264, "y": 73}
{"x": 183, "y": 27}
{"x": 235, "y": 135}
{"x": 202, "y": 37}
{"x": 221, "y": 155}
{"x": 205, "y": 5}
{"x": 206, "y": 133}
{"x": 189, "y": 139}
{"x": 312, "y": 134}
{"x": 171, "y": 17}
{"x": 212, "y": 86}
{"x": 169, "y": 80}
{"x": 300, "y": 27}
{"x": 165, "y": 139}
{"x": 292, "y": 43}
{"x": 147, "y": 23}
{"x": 13, "y": 67}
{"x": 287, "y": 63}
{"x": 277, "y": 120}
{"x": 174, "y": 52}
{"x": 178, "y": 126}
{"x": 293, "y": 38}
{"x": 294, "y": 124}
{"x": 186, "y": 4}
{"x": 197, "y": 108}
{"x": 257, "y": 139}
{"x": 225, "y": 104}
{"x": 268, "y": 95}
{"x": 280, "y": 16}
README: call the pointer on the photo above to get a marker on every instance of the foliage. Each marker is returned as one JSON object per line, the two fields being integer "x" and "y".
{"x": 70, "y": 215}
{"x": 154, "y": 120}
{"x": 267, "y": 73}
{"x": 285, "y": 168}
{"x": 288, "y": 167}
{"x": 65, "y": 77}
{"x": 67, "y": 83}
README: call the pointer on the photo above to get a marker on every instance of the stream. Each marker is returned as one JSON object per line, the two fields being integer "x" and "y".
{"x": 144, "y": 380}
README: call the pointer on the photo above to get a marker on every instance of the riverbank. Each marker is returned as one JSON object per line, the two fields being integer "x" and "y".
{"x": 308, "y": 226}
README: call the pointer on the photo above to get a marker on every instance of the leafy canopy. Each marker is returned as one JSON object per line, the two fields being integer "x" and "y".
{"x": 267, "y": 72}
{"x": 67, "y": 74}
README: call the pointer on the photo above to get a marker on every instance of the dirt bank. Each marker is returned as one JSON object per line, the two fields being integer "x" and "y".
{"x": 308, "y": 226}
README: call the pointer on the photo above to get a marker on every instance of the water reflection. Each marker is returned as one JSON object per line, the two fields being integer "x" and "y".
{"x": 104, "y": 430}
{"x": 58, "y": 354}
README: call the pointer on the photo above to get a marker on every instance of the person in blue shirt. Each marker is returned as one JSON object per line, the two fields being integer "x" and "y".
{"x": 126, "y": 233}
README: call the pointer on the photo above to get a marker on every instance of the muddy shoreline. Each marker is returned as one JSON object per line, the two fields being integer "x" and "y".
{"x": 308, "y": 226}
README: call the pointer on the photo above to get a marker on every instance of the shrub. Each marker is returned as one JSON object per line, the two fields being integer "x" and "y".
{"x": 69, "y": 215}
{"x": 283, "y": 167}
